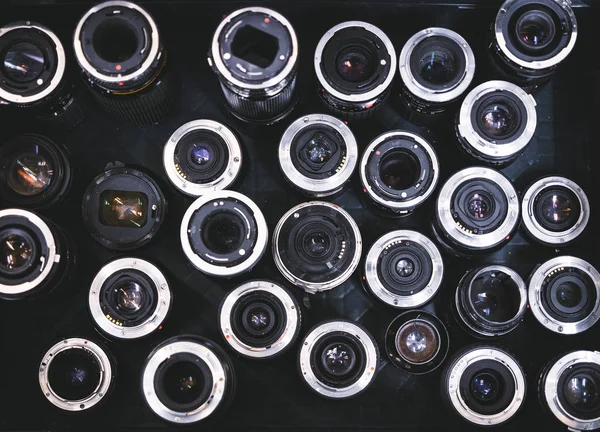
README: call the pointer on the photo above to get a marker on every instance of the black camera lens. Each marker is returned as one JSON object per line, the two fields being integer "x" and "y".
{"x": 403, "y": 269}
{"x": 317, "y": 246}
{"x": 120, "y": 51}
{"x": 476, "y": 210}
{"x": 123, "y": 208}
{"x": 530, "y": 39}
{"x": 491, "y": 301}
{"x": 399, "y": 171}
{"x": 76, "y": 374}
{"x": 417, "y": 342}
{"x": 259, "y": 319}
{"x": 129, "y": 298}
{"x": 569, "y": 388}
{"x": 224, "y": 234}
{"x": 496, "y": 122}
{"x": 436, "y": 66}
{"x": 484, "y": 385}
{"x": 35, "y": 255}
{"x": 202, "y": 156}
{"x": 254, "y": 54}
{"x": 186, "y": 379}
{"x": 318, "y": 155}
{"x": 564, "y": 295}
{"x": 556, "y": 211}
{"x": 355, "y": 64}
{"x": 338, "y": 359}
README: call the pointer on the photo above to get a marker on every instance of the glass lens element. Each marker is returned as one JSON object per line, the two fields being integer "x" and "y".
{"x": 498, "y": 120}
{"x": 183, "y": 382}
{"x": 479, "y": 206}
{"x": 200, "y": 155}
{"x": 582, "y": 392}
{"x": 355, "y": 65}
{"x": 258, "y": 318}
{"x": 74, "y": 374}
{"x": 417, "y": 341}
{"x": 405, "y": 267}
{"x": 30, "y": 174}
{"x": 317, "y": 244}
{"x": 15, "y": 252}
{"x": 556, "y": 209}
{"x": 318, "y": 151}
{"x": 223, "y": 232}
{"x": 123, "y": 209}
{"x": 23, "y": 62}
{"x": 399, "y": 170}
{"x": 338, "y": 359}
{"x": 535, "y": 29}
{"x": 485, "y": 387}
{"x": 569, "y": 295}
{"x": 438, "y": 67}
{"x": 130, "y": 297}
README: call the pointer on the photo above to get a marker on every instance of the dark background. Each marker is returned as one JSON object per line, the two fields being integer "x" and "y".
{"x": 271, "y": 395}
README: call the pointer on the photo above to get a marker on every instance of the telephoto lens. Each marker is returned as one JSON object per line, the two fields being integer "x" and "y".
{"x": 569, "y": 389}
{"x": 202, "y": 156}
{"x": 476, "y": 211}
{"x": 417, "y": 342}
{"x": 496, "y": 122}
{"x": 399, "y": 170}
{"x": 437, "y": 66}
{"x": 564, "y": 295}
{"x": 224, "y": 234}
{"x": 34, "y": 171}
{"x": 259, "y": 319}
{"x": 556, "y": 211}
{"x": 35, "y": 255}
{"x": 317, "y": 246}
{"x": 355, "y": 63}
{"x": 338, "y": 359}
{"x": 254, "y": 54}
{"x": 318, "y": 154}
{"x": 490, "y": 301}
{"x": 124, "y": 61}
{"x": 403, "y": 269}
{"x": 484, "y": 385}
{"x": 33, "y": 70}
{"x": 187, "y": 379}
{"x": 76, "y": 374}
{"x": 123, "y": 208}
{"x": 530, "y": 38}
{"x": 129, "y": 298}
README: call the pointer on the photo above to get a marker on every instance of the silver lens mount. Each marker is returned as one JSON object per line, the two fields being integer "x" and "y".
{"x": 323, "y": 186}
{"x": 383, "y": 246}
{"x": 453, "y": 385}
{"x": 177, "y": 175}
{"x": 291, "y": 319}
{"x": 90, "y": 348}
{"x": 550, "y": 389}
{"x": 533, "y": 226}
{"x": 370, "y": 364}
{"x": 111, "y": 325}
{"x": 427, "y": 94}
{"x": 218, "y": 267}
{"x": 483, "y": 147}
{"x": 464, "y": 237}
{"x": 537, "y": 288}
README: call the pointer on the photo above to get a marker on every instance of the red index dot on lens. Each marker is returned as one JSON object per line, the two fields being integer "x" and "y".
{"x": 121, "y": 84}
{"x": 227, "y": 337}
{"x": 118, "y": 67}
{"x": 267, "y": 20}
{"x": 378, "y": 153}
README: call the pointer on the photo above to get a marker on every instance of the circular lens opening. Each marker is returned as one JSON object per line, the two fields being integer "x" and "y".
{"x": 557, "y": 209}
{"x": 129, "y": 297}
{"x": 535, "y": 29}
{"x": 183, "y": 382}
{"x": 479, "y": 205}
{"x": 30, "y": 174}
{"x": 438, "y": 62}
{"x": 223, "y": 232}
{"x": 569, "y": 294}
{"x": 17, "y": 251}
{"x": 318, "y": 150}
{"x": 74, "y": 374}
{"x": 115, "y": 40}
{"x": 498, "y": 120}
{"x": 23, "y": 62}
{"x": 200, "y": 155}
{"x": 485, "y": 387}
{"x": 399, "y": 170}
{"x": 338, "y": 359}
{"x": 355, "y": 64}
{"x": 581, "y": 392}
{"x": 317, "y": 244}
{"x": 417, "y": 342}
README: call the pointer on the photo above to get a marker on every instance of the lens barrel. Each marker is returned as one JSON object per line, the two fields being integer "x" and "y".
{"x": 122, "y": 56}
{"x": 254, "y": 54}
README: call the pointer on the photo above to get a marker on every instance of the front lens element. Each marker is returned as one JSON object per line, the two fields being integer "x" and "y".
{"x": 498, "y": 120}
{"x": 74, "y": 374}
{"x": 16, "y": 252}
{"x": 23, "y": 62}
{"x": 123, "y": 208}
{"x": 418, "y": 342}
{"x": 355, "y": 64}
{"x": 183, "y": 382}
{"x": 535, "y": 29}
{"x": 30, "y": 174}
{"x": 485, "y": 386}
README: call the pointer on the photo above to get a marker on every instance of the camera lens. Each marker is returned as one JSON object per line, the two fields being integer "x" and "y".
{"x": 76, "y": 374}
{"x": 259, "y": 319}
{"x": 491, "y": 301}
{"x": 123, "y": 208}
{"x": 530, "y": 38}
{"x": 564, "y": 295}
{"x": 403, "y": 269}
{"x": 355, "y": 64}
{"x": 120, "y": 51}
{"x": 254, "y": 54}
{"x": 129, "y": 298}
{"x": 186, "y": 379}
{"x": 416, "y": 342}
{"x": 224, "y": 234}
{"x": 484, "y": 385}
{"x": 437, "y": 66}
{"x": 338, "y": 359}
{"x": 476, "y": 210}
{"x": 318, "y": 155}
{"x": 569, "y": 387}
{"x": 317, "y": 246}
{"x": 496, "y": 122}
{"x": 35, "y": 255}
{"x": 202, "y": 156}
{"x": 555, "y": 211}
{"x": 399, "y": 171}
{"x": 32, "y": 69}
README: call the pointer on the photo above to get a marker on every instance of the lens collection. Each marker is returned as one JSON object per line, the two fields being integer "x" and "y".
{"x": 316, "y": 246}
